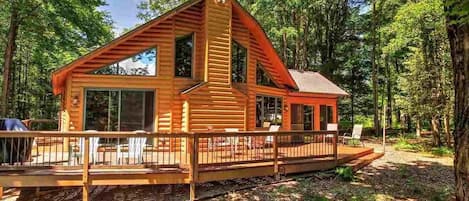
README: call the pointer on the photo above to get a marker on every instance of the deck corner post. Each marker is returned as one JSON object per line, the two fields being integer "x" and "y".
{"x": 336, "y": 140}
{"x": 1, "y": 192}
{"x": 276, "y": 168}
{"x": 86, "y": 168}
{"x": 194, "y": 166}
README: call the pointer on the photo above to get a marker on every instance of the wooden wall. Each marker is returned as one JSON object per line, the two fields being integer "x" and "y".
{"x": 218, "y": 103}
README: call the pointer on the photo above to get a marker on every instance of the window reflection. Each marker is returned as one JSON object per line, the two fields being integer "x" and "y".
{"x": 268, "y": 111}
{"x": 142, "y": 64}
{"x": 183, "y": 60}
{"x": 262, "y": 78}
{"x": 238, "y": 62}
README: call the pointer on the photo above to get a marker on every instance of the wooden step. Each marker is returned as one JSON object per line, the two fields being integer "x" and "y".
{"x": 363, "y": 161}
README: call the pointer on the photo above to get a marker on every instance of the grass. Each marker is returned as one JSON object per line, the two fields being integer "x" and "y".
{"x": 408, "y": 143}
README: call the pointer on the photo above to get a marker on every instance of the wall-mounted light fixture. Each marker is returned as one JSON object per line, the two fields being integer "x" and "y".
{"x": 75, "y": 101}
{"x": 221, "y": 1}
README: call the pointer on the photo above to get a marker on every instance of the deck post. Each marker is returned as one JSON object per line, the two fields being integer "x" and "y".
{"x": 194, "y": 167}
{"x": 86, "y": 168}
{"x": 275, "y": 147}
{"x": 335, "y": 142}
{"x": 1, "y": 192}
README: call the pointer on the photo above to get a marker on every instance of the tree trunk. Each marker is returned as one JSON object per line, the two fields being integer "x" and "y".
{"x": 458, "y": 34}
{"x": 436, "y": 131}
{"x": 447, "y": 130}
{"x": 375, "y": 71}
{"x": 418, "y": 128}
{"x": 8, "y": 58}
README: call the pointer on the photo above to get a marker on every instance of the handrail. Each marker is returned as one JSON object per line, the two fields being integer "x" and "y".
{"x": 156, "y": 134}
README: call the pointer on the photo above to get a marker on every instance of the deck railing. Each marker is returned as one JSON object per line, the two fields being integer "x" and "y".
{"x": 188, "y": 152}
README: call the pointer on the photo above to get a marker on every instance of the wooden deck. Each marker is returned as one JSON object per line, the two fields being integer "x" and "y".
{"x": 52, "y": 165}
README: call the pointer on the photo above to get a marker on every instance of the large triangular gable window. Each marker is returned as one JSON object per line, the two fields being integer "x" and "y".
{"x": 141, "y": 64}
{"x": 262, "y": 78}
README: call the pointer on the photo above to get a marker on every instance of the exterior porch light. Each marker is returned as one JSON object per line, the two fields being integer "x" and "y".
{"x": 221, "y": 1}
{"x": 75, "y": 101}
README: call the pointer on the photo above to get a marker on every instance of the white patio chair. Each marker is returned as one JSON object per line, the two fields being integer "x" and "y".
{"x": 356, "y": 134}
{"x": 94, "y": 144}
{"x": 330, "y": 127}
{"x": 134, "y": 150}
{"x": 270, "y": 139}
{"x": 232, "y": 141}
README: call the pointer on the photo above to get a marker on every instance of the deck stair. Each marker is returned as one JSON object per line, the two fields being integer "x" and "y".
{"x": 363, "y": 161}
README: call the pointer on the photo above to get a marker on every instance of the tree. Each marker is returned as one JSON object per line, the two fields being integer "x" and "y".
{"x": 41, "y": 36}
{"x": 457, "y": 22}
{"x": 154, "y": 8}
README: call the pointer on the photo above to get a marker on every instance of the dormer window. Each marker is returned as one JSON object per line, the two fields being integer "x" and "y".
{"x": 141, "y": 64}
{"x": 183, "y": 56}
{"x": 238, "y": 63}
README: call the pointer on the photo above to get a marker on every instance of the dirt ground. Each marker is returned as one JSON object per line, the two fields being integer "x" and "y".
{"x": 399, "y": 175}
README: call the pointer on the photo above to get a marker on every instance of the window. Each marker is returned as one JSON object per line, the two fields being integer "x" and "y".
{"x": 302, "y": 117}
{"x": 119, "y": 110}
{"x": 238, "y": 63}
{"x": 325, "y": 116}
{"x": 268, "y": 111}
{"x": 142, "y": 64}
{"x": 184, "y": 52}
{"x": 262, "y": 78}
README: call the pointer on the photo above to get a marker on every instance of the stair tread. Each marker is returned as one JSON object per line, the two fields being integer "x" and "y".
{"x": 363, "y": 161}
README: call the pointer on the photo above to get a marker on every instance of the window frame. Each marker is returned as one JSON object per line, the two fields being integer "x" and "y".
{"x": 109, "y": 89}
{"x": 157, "y": 61}
{"x": 192, "y": 36}
{"x": 279, "y": 111}
{"x": 245, "y": 69}
{"x": 260, "y": 66}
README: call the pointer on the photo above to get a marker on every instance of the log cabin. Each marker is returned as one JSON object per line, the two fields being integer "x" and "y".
{"x": 206, "y": 64}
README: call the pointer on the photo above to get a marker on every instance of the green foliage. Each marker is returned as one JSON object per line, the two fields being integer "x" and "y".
{"x": 151, "y": 9}
{"x": 442, "y": 151}
{"x": 315, "y": 198}
{"x": 404, "y": 145}
{"x": 354, "y": 142}
{"x": 345, "y": 173}
{"x": 442, "y": 194}
{"x": 51, "y": 34}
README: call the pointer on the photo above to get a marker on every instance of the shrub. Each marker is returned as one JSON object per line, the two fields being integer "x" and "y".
{"x": 354, "y": 142}
{"x": 442, "y": 151}
{"x": 345, "y": 173}
{"x": 404, "y": 145}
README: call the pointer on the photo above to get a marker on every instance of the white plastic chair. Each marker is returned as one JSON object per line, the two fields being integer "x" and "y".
{"x": 270, "y": 139}
{"x": 94, "y": 144}
{"x": 232, "y": 141}
{"x": 356, "y": 134}
{"x": 330, "y": 127}
{"x": 135, "y": 149}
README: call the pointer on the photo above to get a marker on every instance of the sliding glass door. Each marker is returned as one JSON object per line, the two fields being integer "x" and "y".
{"x": 326, "y": 116}
{"x": 119, "y": 110}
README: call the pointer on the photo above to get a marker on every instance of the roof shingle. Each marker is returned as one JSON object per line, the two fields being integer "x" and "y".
{"x": 314, "y": 82}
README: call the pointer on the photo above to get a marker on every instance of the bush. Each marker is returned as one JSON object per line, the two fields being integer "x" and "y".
{"x": 404, "y": 145}
{"x": 442, "y": 151}
{"x": 354, "y": 142}
{"x": 345, "y": 173}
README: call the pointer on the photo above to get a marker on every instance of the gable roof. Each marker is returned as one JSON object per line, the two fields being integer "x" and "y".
{"x": 314, "y": 82}
{"x": 59, "y": 76}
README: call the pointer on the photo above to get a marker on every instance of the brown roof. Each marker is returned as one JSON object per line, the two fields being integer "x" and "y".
{"x": 314, "y": 82}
